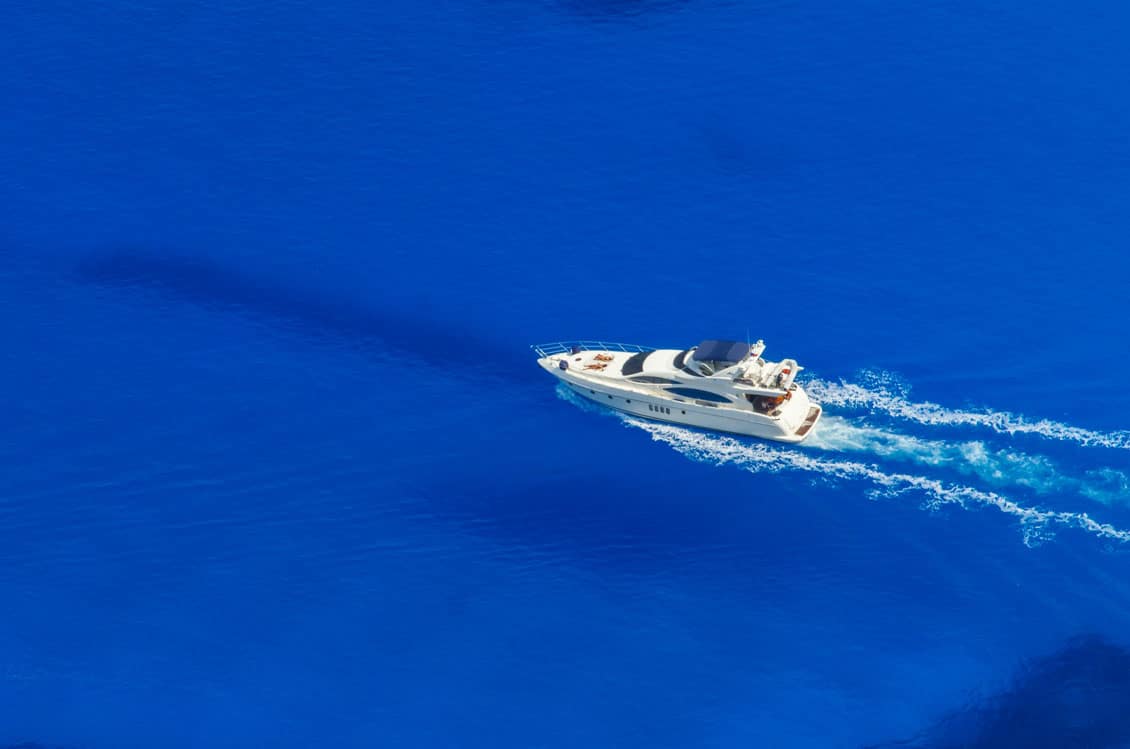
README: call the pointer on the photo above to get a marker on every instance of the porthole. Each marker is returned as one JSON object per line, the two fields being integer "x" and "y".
{"x": 684, "y": 413}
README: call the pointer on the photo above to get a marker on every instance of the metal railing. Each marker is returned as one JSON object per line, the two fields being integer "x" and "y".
{"x": 569, "y": 347}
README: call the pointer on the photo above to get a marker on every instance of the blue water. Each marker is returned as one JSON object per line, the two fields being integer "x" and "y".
{"x": 279, "y": 470}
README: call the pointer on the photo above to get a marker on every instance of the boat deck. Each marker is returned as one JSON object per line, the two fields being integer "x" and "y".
{"x": 809, "y": 420}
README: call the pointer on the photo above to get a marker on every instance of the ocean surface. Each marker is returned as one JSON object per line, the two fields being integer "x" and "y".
{"x": 279, "y": 469}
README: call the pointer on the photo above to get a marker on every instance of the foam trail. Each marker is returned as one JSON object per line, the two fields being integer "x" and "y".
{"x": 755, "y": 457}
{"x": 996, "y": 467}
{"x": 877, "y": 394}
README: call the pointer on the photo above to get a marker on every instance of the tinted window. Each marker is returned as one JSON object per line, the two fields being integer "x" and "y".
{"x": 699, "y": 394}
{"x": 680, "y": 363}
{"x": 648, "y": 379}
{"x": 634, "y": 365}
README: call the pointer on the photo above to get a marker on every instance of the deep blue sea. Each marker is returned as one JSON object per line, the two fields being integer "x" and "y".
{"x": 279, "y": 468}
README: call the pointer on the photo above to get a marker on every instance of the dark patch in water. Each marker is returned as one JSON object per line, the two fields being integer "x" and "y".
{"x": 1076, "y": 697}
{"x": 623, "y": 508}
{"x": 606, "y": 10}
{"x": 371, "y": 326}
{"x": 602, "y": 520}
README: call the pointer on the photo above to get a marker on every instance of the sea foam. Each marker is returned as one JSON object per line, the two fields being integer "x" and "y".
{"x": 884, "y": 393}
{"x": 993, "y": 465}
{"x": 757, "y": 457}
{"x": 1035, "y": 523}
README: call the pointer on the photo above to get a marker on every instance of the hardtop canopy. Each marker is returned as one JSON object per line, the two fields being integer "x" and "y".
{"x": 727, "y": 351}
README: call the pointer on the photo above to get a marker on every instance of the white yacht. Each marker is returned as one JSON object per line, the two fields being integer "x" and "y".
{"x": 721, "y": 385}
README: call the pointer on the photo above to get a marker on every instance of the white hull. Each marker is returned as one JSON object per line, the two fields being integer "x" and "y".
{"x": 792, "y": 421}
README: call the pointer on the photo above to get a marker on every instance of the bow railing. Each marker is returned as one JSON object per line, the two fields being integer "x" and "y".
{"x": 570, "y": 347}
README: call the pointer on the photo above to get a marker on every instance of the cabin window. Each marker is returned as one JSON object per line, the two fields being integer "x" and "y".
{"x": 680, "y": 363}
{"x": 634, "y": 364}
{"x": 702, "y": 395}
{"x": 651, "y": 380}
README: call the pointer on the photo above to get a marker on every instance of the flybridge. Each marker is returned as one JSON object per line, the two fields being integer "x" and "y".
{"x": 731, "y": 351}
{"x": 760, "y": 377}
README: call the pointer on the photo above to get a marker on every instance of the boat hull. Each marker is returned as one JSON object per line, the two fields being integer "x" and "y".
{"x": 689, "y": 413}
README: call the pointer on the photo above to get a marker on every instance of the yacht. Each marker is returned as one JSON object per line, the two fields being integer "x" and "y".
{"x": 720, "y": 385}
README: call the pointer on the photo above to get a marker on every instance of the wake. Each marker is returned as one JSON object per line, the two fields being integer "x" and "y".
{"x": 754, "y": 457}
{"x": 883, "y": 393}
{"x": 1002, "y": 467}
{"x": 997, "y": 467}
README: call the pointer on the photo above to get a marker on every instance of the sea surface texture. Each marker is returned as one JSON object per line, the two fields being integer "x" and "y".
{"x": 279, "y": 468}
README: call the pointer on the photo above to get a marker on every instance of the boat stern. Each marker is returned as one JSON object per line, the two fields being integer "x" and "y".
{"x": 809, "y": 423}
{"x": 801, "y": 415}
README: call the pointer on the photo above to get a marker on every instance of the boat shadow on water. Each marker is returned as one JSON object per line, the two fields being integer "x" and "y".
{"x": 1078, "y": 696}
{"x": 376, "y": 327}
{"x": 603, "y": 11}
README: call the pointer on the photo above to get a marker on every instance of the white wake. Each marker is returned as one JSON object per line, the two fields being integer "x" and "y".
{"x": 842, "y": 435}
{"x": 883, "y": 393}
{"x": 756, "y": 457}
{"x": 997, "y": 467}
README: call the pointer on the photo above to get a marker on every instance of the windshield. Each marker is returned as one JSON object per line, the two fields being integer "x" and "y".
{"x": 714, "y": 356}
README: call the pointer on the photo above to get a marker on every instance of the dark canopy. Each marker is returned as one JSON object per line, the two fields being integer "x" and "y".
{"x": 732, "y": 351}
